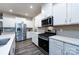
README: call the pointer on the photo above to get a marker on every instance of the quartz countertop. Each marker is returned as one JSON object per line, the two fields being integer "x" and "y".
{"x": 4, "y": 50}
{"x": 66, "y": 39}
{"x": 38, "y": 32}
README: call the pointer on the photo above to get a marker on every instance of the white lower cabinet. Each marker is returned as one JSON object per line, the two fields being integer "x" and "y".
{"x": 35, "y": 38}
{"x": 29, "y": 35}
{"x": 70, "y": 49}
{"x": 55, "y": 47}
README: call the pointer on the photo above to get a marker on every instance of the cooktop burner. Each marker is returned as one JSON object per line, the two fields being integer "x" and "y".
{"x": 46, "y": 34}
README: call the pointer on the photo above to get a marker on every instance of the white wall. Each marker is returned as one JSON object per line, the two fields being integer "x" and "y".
{"x": 10, "y": 20}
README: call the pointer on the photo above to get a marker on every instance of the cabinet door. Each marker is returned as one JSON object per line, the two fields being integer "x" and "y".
{"x": 35, "y": 39}
{"x": 47, "y": 10}
{"x": 70, "y": 49}
{"x": 55, "y": 47}
{"x": 69, "y": 13}
{"x": 29, "y": 34}
{"x": 74, "y": 13}
{"x": 51, "y": 47}
{"x": 59, "y": 14}
{"x": 38, "y": 19}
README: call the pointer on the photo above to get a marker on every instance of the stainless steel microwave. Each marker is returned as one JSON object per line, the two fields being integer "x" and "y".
{"x": 48, "y": 21}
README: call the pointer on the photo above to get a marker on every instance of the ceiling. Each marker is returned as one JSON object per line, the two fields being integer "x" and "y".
{"x": 21, "y": 8}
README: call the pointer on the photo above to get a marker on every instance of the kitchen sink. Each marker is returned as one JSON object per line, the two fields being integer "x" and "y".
{"x": 4, "y": 41}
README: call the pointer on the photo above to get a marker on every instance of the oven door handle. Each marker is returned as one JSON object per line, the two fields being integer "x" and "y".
{"x": 43, "y": 38}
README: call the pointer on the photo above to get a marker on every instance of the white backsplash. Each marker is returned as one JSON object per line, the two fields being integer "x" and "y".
{"x": 69, "y": 33}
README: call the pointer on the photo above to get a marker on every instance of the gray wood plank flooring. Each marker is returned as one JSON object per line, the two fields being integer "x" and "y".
{"x": 27, "y": 48}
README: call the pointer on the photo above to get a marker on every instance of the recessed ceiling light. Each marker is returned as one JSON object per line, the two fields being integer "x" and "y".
{"x": 26, "y": 14}
{"x": 31, "y": 6}
{"x": 11, "y": 10}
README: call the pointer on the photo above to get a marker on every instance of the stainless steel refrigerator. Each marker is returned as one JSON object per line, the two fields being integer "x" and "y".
{"x": 20, "y": 33}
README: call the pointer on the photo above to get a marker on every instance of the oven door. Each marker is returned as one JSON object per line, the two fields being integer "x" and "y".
{"x": 44, "y": 44}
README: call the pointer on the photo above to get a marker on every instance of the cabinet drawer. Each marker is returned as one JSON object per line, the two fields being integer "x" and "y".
{"x": 56, "y": 42}
{"x": 56, "y": 50}
{"x": 59, "y": 43}
{"x": 71, "y": 49}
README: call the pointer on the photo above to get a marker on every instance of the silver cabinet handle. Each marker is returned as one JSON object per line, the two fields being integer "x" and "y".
{"x": 62, "y": 51}
{"x": 66, "y": 21}
{"x": 70, "y": 20}
{"x": 66, "y": 53}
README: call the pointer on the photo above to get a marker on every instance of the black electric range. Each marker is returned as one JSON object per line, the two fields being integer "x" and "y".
{"x": 43, "y": 40}
{"x": 46, "y": 35}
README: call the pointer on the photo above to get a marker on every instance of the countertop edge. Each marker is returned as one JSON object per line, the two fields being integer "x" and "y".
{"x": 5, "y": 49}
{"x": 70, "y": 40}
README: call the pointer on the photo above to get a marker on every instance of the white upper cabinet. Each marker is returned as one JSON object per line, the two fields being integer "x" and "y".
{"x": 69, "y": 13}
{"x": 38, "y": 19}
{"x": 73, "y": 11}
{"x": 59, "y": 14}
{"x": 47, "y": 10}
{"x": 66, "y": 13}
